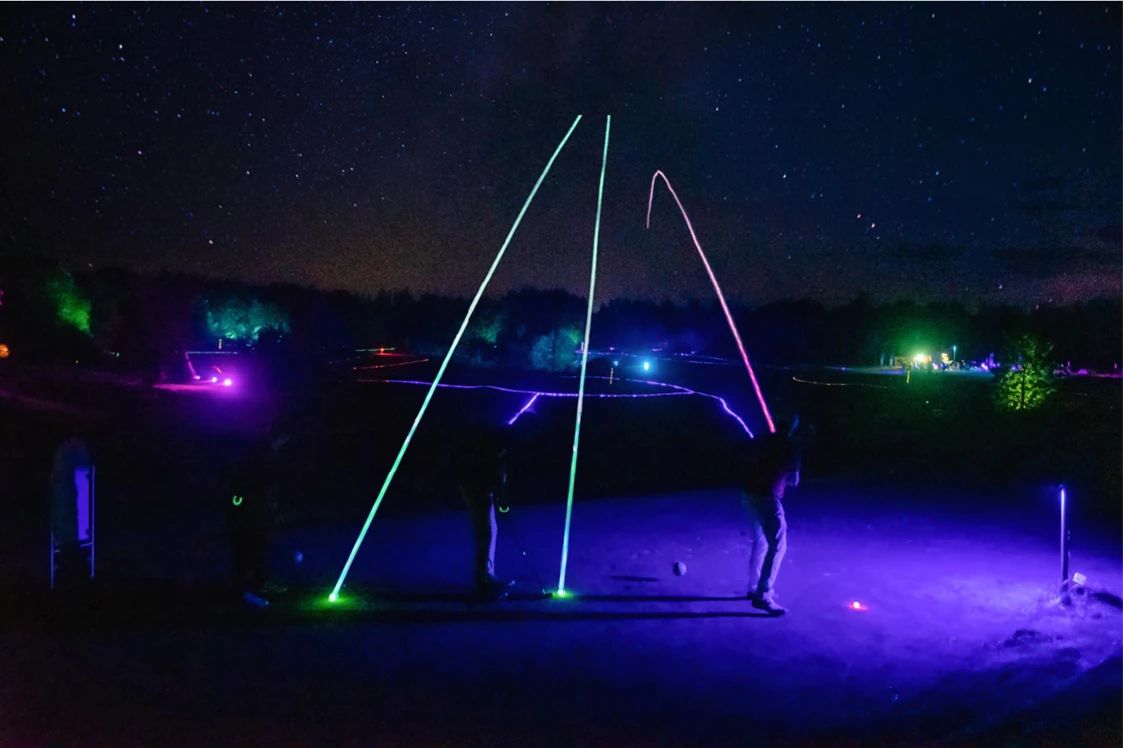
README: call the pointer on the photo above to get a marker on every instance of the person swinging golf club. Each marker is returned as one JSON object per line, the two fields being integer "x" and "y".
{"x": 773, "y": 464}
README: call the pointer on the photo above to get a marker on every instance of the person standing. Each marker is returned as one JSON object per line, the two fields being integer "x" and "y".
{"x": 773, "y": 465}
{"x": 253, "y": 516}
{"x": 483, "y": 482}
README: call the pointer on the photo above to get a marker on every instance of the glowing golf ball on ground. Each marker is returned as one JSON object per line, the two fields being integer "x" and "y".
{"x": 647, "y": 366}
{"x": 332, "y": 597}
{"x": 856, "y": 605}
{"x": 227, "y": 382}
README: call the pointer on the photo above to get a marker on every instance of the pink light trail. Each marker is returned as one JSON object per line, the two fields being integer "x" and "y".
{"x": 720, "y": 295}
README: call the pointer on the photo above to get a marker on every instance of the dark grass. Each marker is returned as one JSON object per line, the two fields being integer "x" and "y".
{"x": 164, "y": 454}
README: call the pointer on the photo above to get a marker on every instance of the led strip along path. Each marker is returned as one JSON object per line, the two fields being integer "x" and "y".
{"x": 679, "y": 391}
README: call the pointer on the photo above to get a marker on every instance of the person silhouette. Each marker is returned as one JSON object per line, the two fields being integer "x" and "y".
{"x": 773, "y": 464}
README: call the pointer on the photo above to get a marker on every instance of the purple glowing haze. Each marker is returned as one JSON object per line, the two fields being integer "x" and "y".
{"x": 679, "y": 391}
{"x": 717, "y": 288}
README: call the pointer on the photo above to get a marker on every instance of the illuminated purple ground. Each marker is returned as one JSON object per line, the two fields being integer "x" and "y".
{"x": 960, "y": 636}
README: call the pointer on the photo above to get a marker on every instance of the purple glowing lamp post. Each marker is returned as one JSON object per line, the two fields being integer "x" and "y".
{"x": 1064, "y": 543}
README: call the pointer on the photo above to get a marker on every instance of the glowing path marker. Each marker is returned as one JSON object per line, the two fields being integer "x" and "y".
{"x": 444, "y": 365}
{"x": 679, "y": 390}
{"x": 720, "y": 296}
{"x": 584, "y": 361}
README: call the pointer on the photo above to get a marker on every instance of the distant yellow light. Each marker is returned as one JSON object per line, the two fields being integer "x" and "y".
{"x": 921, "y": 358}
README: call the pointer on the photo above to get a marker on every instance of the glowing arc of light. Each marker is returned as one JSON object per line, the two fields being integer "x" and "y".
{"x": 717, "y": 288}
{"x": 584, "y": 364}
{"x": 444, "y": 364}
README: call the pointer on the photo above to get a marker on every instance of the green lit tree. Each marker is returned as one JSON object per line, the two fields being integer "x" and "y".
{"x": 242, "y": 320}
{"x": 557, "y": 350}
{"x": 487, "y": 327}
{"x": 71, "y": 306}
{"x": 1028, "y": 381}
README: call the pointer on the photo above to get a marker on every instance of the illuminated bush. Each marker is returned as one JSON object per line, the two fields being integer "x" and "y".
{"x": 243, "y": 320}
{"x": 557, "y": 350}
{"x": 71, "y": 307}
{"x": 487, "y": 327}
{"x": 1028, "y": 382}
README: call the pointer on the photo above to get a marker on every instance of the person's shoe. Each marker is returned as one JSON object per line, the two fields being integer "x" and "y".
{"x": 491, "y": 594}
{"x": 493, "y": 590}
{"x": 767, "y": 604}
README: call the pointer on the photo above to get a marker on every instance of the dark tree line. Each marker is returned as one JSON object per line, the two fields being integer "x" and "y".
{"x": 48, "y": 314}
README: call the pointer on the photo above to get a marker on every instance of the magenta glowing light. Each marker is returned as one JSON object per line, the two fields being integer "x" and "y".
{"x": 525, "y": 408}
{"x": 227, "y": 382}
{"x": 717, "y": 288}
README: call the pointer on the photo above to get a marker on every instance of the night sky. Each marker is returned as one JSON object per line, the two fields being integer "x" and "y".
{"x": 924, "y": 151}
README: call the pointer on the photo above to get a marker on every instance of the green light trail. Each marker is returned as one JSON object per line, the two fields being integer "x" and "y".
{"x": 444, "y": 365}
{"x": 584, "y": 362}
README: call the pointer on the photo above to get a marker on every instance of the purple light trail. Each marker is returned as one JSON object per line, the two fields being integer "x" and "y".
{"x": 525, "y": 408}
{"x": 679, "y": 392}
{"x": 720, "y": 296}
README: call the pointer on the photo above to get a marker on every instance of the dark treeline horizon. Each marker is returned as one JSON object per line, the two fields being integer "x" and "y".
{"x": 141, "y": 316}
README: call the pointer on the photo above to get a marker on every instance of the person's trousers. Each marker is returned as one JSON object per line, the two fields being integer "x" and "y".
{"x": 769, "y": 541}
{"x": 249, "y": 546}
{"x": 481, "y": 510}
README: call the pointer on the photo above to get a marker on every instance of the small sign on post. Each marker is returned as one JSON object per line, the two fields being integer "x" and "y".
{"x": 72, "y": 507}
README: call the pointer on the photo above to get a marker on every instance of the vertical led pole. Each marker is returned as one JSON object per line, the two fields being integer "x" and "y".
{"x": 584, "y": 362}
{"x": 1064, "y": 541}
{"x": 444, "y": 365}
{"x": 720, "y": 295}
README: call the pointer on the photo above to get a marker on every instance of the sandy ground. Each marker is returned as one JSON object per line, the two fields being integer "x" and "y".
{"x": 960, "y": 640}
